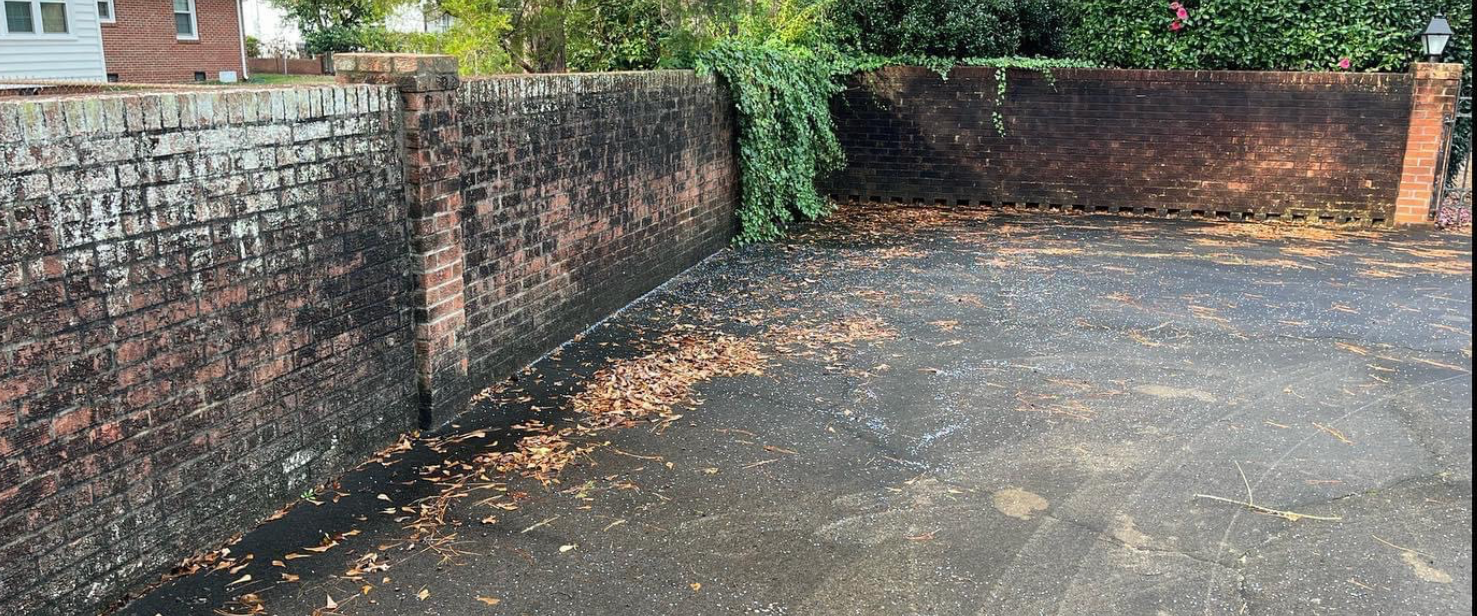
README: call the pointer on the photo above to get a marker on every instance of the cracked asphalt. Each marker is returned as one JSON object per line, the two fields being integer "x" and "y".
{"x": 1038, "y": 436}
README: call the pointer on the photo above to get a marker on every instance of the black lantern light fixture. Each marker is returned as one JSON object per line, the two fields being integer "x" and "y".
{"x": 1435, "y": 37}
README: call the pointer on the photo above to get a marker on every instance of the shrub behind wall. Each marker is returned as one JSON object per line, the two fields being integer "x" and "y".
{"x": 1293, "y": 35}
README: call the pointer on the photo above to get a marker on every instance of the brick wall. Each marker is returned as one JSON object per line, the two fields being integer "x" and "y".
{"x": 1433, "y": 102}
{"x": 580, "y": 193}
{"x": 213, "y": 300}
{"x": 285, "y": 66}
{"x": 542, "y": 203}
{"x": 142, "y": 45}
{"x": 1236, "y": 144}
{"x": 205, "y": 309}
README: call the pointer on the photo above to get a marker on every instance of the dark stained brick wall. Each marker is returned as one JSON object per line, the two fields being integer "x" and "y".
{"x": 204, "y": 305}
{"x": 579, "y": 194}
{"x": 213, "y": 300}
{"x": 1236, "y": 144}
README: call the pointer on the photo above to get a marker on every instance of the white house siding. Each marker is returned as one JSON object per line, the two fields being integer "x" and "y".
{"x": 77, "y": 55}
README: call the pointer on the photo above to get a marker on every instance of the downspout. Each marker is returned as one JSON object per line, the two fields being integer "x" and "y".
{"x": 241, "y": 30}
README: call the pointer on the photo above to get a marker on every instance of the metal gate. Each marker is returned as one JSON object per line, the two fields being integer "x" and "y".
{"x": 1454, "y": 177}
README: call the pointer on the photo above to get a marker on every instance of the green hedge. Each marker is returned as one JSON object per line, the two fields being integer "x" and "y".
{"x": 1373, "y": 35}
{"x": 950, "y": 28}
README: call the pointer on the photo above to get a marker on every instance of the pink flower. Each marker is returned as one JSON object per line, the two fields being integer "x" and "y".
{"x": 1345, "y": 63}
{"x": 1176, "y": 26}
{"x": 1182, "y": 13}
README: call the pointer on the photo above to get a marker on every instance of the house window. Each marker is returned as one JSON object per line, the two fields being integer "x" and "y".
{"x": 105, "y": 11}
{"x": 35, "y": 17}
{"x": 19, "y": 19}
{"x": 54, "y": 17}
{"x": 185, "y": 26}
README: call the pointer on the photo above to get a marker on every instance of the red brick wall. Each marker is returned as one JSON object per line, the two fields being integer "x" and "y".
{"x": 212, "y": 300}
{"x": 290, "y": 66}
{"x": 142, "y": 46}
{"x": 542, "y": 203}
{"x": 580, "y": 193}
{"x": 205, "y": 308}
{"x": 1234, "y": 144}
{"x": 1434, "y": 101}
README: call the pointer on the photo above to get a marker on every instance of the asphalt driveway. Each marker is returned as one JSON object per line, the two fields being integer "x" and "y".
{"x": 938, "y": 412}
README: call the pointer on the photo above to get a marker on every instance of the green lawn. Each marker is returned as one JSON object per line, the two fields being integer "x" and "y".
{"x": 277, "y": 80}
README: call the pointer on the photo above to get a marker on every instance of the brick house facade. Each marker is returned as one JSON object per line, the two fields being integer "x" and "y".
{"x": 171, "y": 40}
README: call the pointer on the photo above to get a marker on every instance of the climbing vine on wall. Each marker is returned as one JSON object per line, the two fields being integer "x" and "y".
{"x": 1002, "y": 66}
{"x": 787, "y": 139}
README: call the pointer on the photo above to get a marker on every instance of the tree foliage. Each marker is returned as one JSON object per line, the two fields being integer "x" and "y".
{"x": 476, "y": 36}
{"x": 950, "y": 28}
{"x": 335, "y": 25}
{"x": 616, "y": 35}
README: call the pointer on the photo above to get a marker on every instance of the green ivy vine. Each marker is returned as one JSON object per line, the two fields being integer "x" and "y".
{"x": 786, "y": 136}
{"x": 1002, "y": 68}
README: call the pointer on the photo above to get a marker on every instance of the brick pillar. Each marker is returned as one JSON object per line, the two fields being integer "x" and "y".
{"x": 428, "y": 86}
{"x": 1433, "y": 99}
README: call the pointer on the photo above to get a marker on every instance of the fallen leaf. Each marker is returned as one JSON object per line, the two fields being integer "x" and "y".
{"x": 566, "y": 548}
{"x": 489, "y": 600}
{"x": 423, "y": 594}
{"x": 241, "y": 580}
{"x": 696, "y": 586}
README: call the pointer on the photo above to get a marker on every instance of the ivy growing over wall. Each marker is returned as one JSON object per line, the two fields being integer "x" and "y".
{"x": 787, "y": 139}
{"x": 786, "y": 136}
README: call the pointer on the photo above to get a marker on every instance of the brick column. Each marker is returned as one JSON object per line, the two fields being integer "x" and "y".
{"x": 1433, "y": 99}
{"x": 428, "y": 88}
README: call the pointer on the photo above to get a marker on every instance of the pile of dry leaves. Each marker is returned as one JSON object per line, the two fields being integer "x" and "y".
{"x": 802, "y": 337}
{"x": 646, "y": 387}
{"x": 655, "y": 383}
{"x": 1280, "y": 231}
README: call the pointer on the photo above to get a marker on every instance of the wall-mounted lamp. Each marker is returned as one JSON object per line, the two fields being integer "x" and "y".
{"x": 1435, "y": 37}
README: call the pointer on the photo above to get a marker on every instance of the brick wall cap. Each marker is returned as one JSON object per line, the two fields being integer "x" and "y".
{"x": 1434, "y": 70}
{"x": 395, "y": 63}
{"x": 406, "y": 71}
